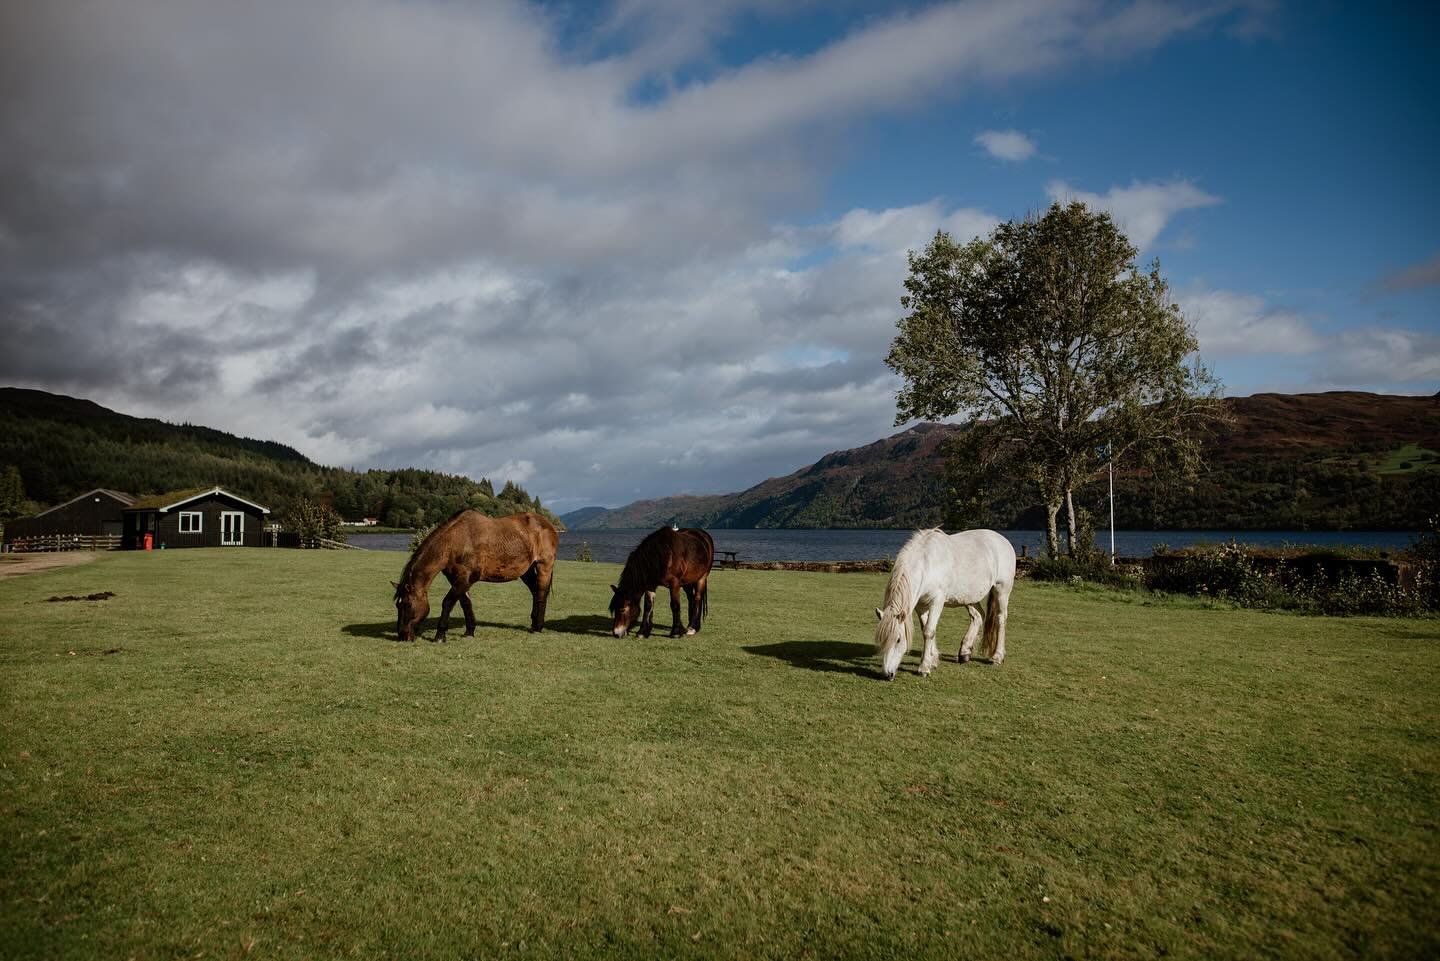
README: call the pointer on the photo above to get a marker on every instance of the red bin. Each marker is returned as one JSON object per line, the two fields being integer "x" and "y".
{"x": 149, "y": 541}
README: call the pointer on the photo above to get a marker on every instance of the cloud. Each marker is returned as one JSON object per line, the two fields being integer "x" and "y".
{"x": 1295, "y": 352}
{"x": 1142, "y": 209}
{"x": 1424, "y": 274}
{"x": 1233, "y": 324}
{"x": 580, "y": 246}
{"x": 1385, "y": 356}
{"x": 1006, "y": 144}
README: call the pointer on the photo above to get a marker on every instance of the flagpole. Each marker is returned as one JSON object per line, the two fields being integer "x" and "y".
{"x": 1110, "y": 450}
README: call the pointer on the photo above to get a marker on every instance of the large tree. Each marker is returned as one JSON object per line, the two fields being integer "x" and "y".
{"x": 1061, "y": 351}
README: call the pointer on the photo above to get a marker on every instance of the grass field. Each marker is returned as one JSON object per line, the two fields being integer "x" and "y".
{"x": 231, "y": 758}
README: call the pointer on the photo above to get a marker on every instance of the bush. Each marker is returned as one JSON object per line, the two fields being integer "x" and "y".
{"x": 419, "y": 537}
{"x": 582, "y": 553}
{"x": 1227, "y": 572}
{"x": 1230, "y": 572}
{"x": 313, "y": 522}
{"x": 1096, "y": 571}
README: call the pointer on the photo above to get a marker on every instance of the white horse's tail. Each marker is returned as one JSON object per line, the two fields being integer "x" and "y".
{"x": 992, "y": 622}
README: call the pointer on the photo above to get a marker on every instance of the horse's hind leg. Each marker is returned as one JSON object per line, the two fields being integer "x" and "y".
{"x": 469, "y": 612}
{"x": 695, "y": 594}
{"x": 538, "y": 579}
{"x": 1000, "y": 611}
{"x": 968, "y": 645}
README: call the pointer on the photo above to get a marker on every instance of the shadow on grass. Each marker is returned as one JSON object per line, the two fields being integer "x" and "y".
{"x": 591, "y": 624}
{"x": 838, "y": 656}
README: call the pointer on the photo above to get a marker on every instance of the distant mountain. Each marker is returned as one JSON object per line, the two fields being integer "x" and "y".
{"x": 575, "y": 518}
{"x": 1290, "y": 462}
{"x": 64, "y": 446}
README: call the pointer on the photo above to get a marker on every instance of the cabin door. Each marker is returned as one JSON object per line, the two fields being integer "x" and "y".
{"x": 232, "y": 528}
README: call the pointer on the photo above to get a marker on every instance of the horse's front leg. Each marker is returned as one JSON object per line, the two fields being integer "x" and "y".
{"x": 676, "y": 629}
{"x": 971, "y": 634}
{"x": 647, "y": 616}
{"x": 929, "y": 622}
{"x": 451, "y": 597}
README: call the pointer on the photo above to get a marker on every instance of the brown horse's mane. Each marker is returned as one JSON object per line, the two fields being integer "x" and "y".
{"x": 645, "y": 565}
{"x": 407, "y": 572}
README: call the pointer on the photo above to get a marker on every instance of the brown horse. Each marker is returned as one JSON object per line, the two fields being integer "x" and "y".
{"x": 677, "y": 559}
{"x": 471, "y": 547}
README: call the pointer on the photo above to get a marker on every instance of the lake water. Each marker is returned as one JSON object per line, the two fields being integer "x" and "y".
{"x": 807, "y": 545}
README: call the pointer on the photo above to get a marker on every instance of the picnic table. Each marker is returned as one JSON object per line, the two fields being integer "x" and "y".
{"x": 725, "y": 558}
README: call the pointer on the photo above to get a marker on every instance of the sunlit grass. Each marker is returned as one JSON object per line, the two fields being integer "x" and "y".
{"x": 1410, "y": 459}
{"x": 233, "y": 757}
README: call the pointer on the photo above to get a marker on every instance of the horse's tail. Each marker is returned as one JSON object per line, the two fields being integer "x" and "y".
{"x": 992, "y": 621}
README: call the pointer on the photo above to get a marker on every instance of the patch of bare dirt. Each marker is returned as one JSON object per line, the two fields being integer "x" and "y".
{"x": 13, "y": 565}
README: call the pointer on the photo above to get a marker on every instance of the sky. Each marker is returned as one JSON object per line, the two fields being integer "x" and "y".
{"x": 624, "y": 250}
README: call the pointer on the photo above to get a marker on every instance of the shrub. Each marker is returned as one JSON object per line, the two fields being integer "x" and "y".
{"x": 582, "y": 553}
{"x": 1098, "y": 571}
{"x": 314, "y": 521}
{"x": 419, "y": 537}
{"x": 1230, "y": 572}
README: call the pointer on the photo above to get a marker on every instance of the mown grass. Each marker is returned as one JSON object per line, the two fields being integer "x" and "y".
{"x": 231, "y": 758}
{"x": 1412, "y": 458}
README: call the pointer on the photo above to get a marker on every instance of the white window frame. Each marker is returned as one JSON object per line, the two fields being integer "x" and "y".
{"x": 237, "y": 530}
{"x": 197, "y": 527}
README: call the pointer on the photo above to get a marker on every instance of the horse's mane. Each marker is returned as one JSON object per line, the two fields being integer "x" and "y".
{"x": 900, "y": 596}
{"x": 408, "y": 571}
{"x": 645, "y": 565}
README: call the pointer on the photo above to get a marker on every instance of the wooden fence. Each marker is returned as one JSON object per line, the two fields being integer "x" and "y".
{"x": 64, "y": 542}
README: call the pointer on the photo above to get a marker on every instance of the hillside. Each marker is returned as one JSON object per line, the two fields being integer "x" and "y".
{"x": 64, "y": 446}
{"x": 1340, "y": 460}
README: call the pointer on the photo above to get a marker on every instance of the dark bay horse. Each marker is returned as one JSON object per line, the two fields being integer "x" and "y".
{"x": 471, "y": 547}
{"x": 677, "y": 559}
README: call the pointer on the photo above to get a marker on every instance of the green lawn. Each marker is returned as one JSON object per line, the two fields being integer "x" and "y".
{"x": 232, "y": 758}
{"x": 1412, "y": 458}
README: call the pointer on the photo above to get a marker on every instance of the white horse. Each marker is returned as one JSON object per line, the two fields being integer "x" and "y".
{"x": 934, "y": 569}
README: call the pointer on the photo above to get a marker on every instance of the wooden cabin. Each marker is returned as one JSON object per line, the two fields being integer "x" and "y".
{"x": 93, "y": 520}
{"x": 203, "y": 517}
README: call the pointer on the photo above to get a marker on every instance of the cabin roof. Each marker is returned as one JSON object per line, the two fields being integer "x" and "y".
{"x": 173, "y": 499}
{"x": 121, "y": 496}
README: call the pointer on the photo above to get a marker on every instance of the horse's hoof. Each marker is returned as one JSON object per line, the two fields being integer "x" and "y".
{"x": 690, "y": 632}
{"x": 962, "y": 658}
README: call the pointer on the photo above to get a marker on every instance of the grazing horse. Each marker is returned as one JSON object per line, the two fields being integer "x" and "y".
{"x": 933, "y": 570}
{"x": 677, "y": 559}
{"x": 472, "y": 547}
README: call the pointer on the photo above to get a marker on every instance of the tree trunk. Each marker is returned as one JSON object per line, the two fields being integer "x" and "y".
{"x": 1052, "y": 534}
{"x": 1069, "y": 522}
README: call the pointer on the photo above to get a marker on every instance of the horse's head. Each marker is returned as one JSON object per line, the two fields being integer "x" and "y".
{"x": 892, "y": 640}
{"x": 411, "y": 607}
{"x": 624, "y": 609}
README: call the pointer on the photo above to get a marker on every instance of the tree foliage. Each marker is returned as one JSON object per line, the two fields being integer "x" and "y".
{"x": 313, "y": 522}
{"x": 1060, "y": 350}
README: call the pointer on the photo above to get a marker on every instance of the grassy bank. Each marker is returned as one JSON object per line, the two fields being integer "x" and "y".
{"x": 231, "y": 757}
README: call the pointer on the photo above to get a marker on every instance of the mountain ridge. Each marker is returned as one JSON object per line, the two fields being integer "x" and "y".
{"x": 1290, "y": 461}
